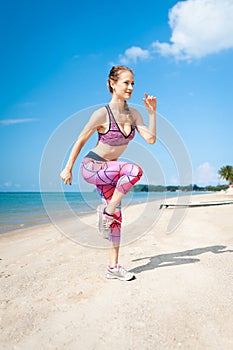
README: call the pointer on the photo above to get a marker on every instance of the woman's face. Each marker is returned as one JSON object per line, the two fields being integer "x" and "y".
{"x": 123, "y": 87}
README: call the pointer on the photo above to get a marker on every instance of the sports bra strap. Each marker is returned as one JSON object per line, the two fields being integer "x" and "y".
{"x": 110, "y": 114}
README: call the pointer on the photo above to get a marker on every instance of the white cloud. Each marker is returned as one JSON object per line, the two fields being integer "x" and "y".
{"x": 16, "y": 121}
{"x": 199, "y": 28}
{"x": 133, "y": 54}
{"x": 174, "y": 180}
{"x": 17, "y": 185}
{"x": 206, "y": 174}
{"x": 8, "y": 184}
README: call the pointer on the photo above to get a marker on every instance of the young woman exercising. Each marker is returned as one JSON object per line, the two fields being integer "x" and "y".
{"x": 116, "y": 124}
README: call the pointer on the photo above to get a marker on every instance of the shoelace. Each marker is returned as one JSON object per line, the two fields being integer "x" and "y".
{"x": 122, "y": 270}
{"x": 107, "y": 222}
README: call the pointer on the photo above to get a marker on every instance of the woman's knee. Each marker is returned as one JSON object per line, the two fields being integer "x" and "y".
{"x": 140, "y": 171}
{"x": 132, "y": 169}
{"x": 137, "y": 171}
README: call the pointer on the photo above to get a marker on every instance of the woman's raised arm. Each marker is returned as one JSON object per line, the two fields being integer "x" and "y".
{"x": 147, "y": 132}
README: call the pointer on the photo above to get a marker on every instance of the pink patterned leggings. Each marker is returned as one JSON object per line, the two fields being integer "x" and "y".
{"x": 108, "y": 176}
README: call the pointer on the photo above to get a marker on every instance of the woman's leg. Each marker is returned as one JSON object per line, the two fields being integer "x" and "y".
{"x": 126, "y": 174}
{"x": 113, "y": 254}
{"x": 106, "y": 192}
{"x": 120, "y": 176}
{"x": 113, "y": 180}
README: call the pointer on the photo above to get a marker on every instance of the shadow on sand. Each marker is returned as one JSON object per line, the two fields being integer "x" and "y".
{"x": 179, "y": 258}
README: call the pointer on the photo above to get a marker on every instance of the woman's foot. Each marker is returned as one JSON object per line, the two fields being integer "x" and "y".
{"x": 120, "y": 273}
{"x": 105, "y": 221}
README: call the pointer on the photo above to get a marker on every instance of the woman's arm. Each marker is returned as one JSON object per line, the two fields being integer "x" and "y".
{"x": 147, "y": 132}
{"x": 97, "y": 119}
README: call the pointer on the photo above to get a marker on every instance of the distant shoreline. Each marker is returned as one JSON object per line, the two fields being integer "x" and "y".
{"x": 23, "y": 210}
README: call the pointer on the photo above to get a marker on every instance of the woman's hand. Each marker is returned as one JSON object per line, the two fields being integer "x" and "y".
{"x": 66, "y": 176}
{"x": 150, "y": 103}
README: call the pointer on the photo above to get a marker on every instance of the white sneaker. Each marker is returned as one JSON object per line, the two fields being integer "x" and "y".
{"x": 120, "y": 273}
{"x": 104, "y": 222}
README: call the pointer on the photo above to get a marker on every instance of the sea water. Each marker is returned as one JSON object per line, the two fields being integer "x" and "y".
{"x": 27, "y": 209}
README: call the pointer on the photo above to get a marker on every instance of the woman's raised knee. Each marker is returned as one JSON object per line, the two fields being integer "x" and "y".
{"x": 140, "y": 171}
{"x": 132, "y": 170}
{"x": 137, "y": 171}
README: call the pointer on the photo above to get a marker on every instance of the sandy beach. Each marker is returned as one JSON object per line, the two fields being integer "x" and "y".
{"x": 54, "y": 294}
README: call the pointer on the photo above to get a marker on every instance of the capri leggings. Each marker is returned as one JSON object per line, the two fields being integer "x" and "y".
{"x": 108, "y": 176}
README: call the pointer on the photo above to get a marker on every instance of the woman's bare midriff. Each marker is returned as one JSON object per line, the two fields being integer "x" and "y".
{"x": 109, "y": 152}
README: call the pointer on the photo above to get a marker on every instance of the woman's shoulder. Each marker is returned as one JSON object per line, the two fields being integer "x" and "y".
{"x": 101, "y": 110}
{"x": 134, "y": 112}
{"x": 100, "y": 113}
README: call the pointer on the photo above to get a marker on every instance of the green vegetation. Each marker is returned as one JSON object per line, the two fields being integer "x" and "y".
{"x": 226, "y": 173}
{"x": 217, "y": 188}
{"x": 160, "y": 188}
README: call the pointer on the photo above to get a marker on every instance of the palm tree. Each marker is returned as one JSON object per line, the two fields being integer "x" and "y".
{"x": 226, "y": 172}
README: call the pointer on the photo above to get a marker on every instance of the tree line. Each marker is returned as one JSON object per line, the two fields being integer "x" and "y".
{"x": 225, "y": 172}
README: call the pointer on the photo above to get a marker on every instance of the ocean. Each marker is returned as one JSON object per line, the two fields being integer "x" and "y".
{"x": 26, "y": 209}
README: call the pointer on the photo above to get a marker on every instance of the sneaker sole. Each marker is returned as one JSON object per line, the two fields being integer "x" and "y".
{"x": 111, "y": 277}
{"x": 99, "y": 211}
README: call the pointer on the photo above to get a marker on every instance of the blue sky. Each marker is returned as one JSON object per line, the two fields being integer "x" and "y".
{"x": 56, "y": 55}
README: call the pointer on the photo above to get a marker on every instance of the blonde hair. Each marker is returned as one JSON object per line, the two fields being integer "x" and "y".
{"x": 115, "y": 73}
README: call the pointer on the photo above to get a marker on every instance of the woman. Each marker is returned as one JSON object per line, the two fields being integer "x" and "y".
{"x": 116, "y": 124}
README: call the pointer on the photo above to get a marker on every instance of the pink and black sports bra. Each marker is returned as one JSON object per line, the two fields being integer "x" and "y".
{"x": 114, "y": 136}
